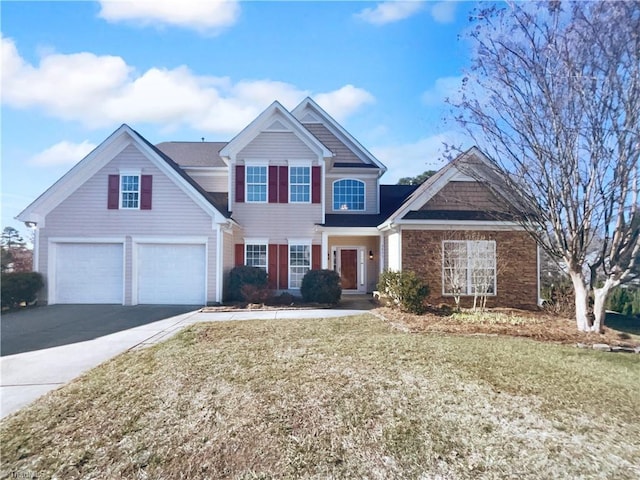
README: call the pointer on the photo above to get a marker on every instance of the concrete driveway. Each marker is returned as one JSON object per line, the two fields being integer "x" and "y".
{"x": 28, "y": 375}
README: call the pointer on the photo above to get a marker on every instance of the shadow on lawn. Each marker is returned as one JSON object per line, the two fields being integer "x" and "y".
{"x": 623, "y": 323}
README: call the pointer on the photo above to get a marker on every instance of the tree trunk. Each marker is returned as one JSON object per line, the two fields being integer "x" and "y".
{"x": 581, "y": 299}
{"x": 600, "y": 296}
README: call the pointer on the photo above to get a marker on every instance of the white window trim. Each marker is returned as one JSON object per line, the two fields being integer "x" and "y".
{"x": 256, "y": 163}
{"x": 469, "y": 270}
{"x": 364, "y": 195}
{"x": 294, "y": 242}
{"x": 299, "y": 163}
{"x": 129, "y": 173}
{"x": 261, "y": 242}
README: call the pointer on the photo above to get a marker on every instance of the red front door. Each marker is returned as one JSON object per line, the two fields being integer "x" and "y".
{"x": 349, "y": 269}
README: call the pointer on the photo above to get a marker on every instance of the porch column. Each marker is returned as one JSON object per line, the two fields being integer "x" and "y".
{"x": 325, "y": 251}
{"x": 382, "y": 253}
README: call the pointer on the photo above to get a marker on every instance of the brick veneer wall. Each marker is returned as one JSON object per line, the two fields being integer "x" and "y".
{"x": 516, "y": 256}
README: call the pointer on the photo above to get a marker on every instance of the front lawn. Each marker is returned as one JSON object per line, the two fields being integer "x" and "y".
{"x": 336, "y": 398}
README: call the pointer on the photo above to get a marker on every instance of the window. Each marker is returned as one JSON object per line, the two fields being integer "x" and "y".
{"x": 299, "y": 264}
{"x": 469, "y": 267}
{"x": 256, "y": 255}
{"x": 348, "y": 194}
{"x": 129, "y": 191}
{"x": 256, "y": 184}
{"x": 299, "y": 184}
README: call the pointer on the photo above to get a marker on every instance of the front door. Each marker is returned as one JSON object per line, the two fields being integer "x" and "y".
{"x": 349, "y": 269}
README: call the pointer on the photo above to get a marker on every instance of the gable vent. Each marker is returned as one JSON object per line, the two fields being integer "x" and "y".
{"x": 277, "y": 125}
{"x": 310, "y": 118}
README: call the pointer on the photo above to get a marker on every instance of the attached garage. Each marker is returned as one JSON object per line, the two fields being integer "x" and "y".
{"x": 169, "y": 273}
{"x": 87, "y": 273}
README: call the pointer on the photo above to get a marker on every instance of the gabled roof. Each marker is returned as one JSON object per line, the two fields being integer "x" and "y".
{"x": 308, "y": 106}
{"x": 194, "y": 154}
{"x": 120, "y": 139}
{"x": 274, "y": 114}
{"x": 471, "y": 159}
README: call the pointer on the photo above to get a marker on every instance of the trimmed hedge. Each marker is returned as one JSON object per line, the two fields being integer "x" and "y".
{"x": 245, "y": 281}
{"x": 405, "y": 289}
{"x": 20, "y": 287}
{"x": 321, "y": 286}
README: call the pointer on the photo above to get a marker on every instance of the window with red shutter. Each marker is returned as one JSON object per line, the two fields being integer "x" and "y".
{"x": 283, "y": 184}
{"x": 239, "y": 183}
{"x": 273, "y": 184}
{"x": 283, "y": 266}
{"x": 316, "y": 186}
{"x": 113, "y": 196}
{"x": 146, "y": 182}
{"x": 239, "y": 254}
{"x": 316, "y": 257}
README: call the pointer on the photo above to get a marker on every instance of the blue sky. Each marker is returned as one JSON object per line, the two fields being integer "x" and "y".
{"x": 72, "y": 72}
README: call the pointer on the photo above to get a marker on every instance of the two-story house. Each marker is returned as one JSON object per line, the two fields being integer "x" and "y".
{"x": 134, "y": 223}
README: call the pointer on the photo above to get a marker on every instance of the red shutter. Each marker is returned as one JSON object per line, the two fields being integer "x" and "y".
{"x": 239, "y": 254}
{"x": 239, "y": 183}
{"x": 316, "y": 260}
{"x": 273, "y": 184}
{"x": 283, "y": 266}
{"x": 283, "y": 184}
{"x": 316, "y": 187}
{"x": 113, "y": 197}
{"x": 145, "y": 192}
{"x": 273, "y": 267}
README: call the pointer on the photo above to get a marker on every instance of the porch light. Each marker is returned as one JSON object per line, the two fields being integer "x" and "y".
{"x": 370, "y": 254}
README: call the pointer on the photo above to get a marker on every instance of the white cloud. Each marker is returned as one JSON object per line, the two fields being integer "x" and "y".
{"x": 411, "y": 159}
{"x": 62, "y": 153}
{"x": 443, "y": 88}
{"x": 444, "y": 12}
{"x": 102, "y": 91}
{"x": 389, "y": 12}
{"x": 343, "y": 102}
{"x": 203, "y": 16}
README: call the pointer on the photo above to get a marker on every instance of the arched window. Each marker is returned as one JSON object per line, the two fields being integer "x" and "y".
{"x": 348, "y": 194}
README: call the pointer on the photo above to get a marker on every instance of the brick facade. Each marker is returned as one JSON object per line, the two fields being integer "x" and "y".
{"x": 516, "y": 259}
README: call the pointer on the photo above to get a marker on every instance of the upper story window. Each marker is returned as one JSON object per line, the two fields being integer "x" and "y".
{"x": 348, "y": 194}
{"x": 469, "y": 267}
{"x": 299, "y": 184}
{"x": 257, "y": 183}
{"x": 129, "y": 191}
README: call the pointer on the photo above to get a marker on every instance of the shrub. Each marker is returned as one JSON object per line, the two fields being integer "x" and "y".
{"x": 20, "y": 287}
{"x": 284, "y": 298}
{"x": 321, "y": 286}
{"x": 625, "y": 301}
{"x": 243, "y": 277}
{"x": 405, "y": 289}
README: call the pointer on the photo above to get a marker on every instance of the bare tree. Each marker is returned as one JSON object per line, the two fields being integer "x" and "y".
{"x": 454, "y": 270}
{"x": 553, "y": 97}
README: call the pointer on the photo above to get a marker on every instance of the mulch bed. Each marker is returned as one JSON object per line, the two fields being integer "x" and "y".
{"x": 543, "y": 327}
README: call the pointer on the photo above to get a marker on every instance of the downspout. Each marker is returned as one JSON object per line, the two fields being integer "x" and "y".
{"x": 219, "y": 266}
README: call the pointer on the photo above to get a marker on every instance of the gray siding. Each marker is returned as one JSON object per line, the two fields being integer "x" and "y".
{"x": 211, "y": 183}
{"x": 277, "y": 147}
{"x": 370, "y": 192}
{"x": 278, "y": 222}
{"x": 84, "y": 214}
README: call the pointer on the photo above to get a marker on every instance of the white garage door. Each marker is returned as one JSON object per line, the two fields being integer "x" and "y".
{"x": 88, "y": 273}
{"x": 171, "y": 274}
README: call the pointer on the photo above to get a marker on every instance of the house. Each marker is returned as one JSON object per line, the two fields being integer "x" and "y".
{"x": 136, "y": 223}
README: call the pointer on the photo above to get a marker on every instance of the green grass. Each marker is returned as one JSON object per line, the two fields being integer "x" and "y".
{"x": 336, "y": 398}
